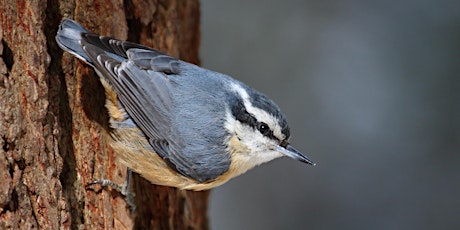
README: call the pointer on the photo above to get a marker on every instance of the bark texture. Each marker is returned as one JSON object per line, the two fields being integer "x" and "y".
{"x": 54, "y": 126}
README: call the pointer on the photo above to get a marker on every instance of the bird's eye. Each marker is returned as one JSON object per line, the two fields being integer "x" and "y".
{"x": 263, "y": 128}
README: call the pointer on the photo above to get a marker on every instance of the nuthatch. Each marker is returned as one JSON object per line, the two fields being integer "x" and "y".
{"x": 175, "y": 123}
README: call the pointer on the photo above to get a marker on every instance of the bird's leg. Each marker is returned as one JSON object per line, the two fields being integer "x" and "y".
{"x": 124, "y": 189}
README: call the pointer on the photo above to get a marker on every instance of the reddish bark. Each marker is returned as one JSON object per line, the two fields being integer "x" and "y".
{"x": 54, "y": 126}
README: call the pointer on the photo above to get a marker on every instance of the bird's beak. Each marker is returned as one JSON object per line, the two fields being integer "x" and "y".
{"x": 294, "y": 154}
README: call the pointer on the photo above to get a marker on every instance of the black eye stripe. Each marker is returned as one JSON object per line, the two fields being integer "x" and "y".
{"x": 265, "y": 130}
{"x": 242, "y": 115}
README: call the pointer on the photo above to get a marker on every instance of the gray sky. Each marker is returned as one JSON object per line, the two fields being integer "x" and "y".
{"x": 371, "y": 92}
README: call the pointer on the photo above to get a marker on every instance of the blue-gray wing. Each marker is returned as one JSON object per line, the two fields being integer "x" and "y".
{"x": 145, "y": 81}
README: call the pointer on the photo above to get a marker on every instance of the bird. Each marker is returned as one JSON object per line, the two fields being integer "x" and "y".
{"x": 175, "y": 123}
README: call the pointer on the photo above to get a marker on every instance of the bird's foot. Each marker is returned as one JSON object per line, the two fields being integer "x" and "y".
{"x": 123, "y": 189}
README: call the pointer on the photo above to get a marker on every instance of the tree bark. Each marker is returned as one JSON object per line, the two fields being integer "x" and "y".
{"x": 54, "y": 131}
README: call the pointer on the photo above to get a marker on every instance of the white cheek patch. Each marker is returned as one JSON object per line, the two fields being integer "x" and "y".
{"x": 261, "y": 148}
{"x": 251, "y": 138}
{"x": 260, "y": 114}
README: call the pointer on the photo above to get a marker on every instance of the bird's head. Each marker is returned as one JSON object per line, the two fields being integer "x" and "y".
{"x": 259, "y": 129}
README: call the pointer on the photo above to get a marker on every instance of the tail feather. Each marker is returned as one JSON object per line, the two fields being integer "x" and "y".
{"x": 68, "y": 38}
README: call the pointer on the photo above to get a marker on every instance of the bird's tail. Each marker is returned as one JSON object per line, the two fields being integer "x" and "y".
{"x": 68, "y": 38}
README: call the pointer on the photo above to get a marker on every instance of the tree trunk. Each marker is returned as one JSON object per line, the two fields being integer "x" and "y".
{"x": 54, "y": 133}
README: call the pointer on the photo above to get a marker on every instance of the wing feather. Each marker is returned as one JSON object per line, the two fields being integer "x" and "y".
{"x": 144, "y": 80}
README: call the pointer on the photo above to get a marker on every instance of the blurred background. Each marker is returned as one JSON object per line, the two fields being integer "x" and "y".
{"x": 371, "y": 90}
